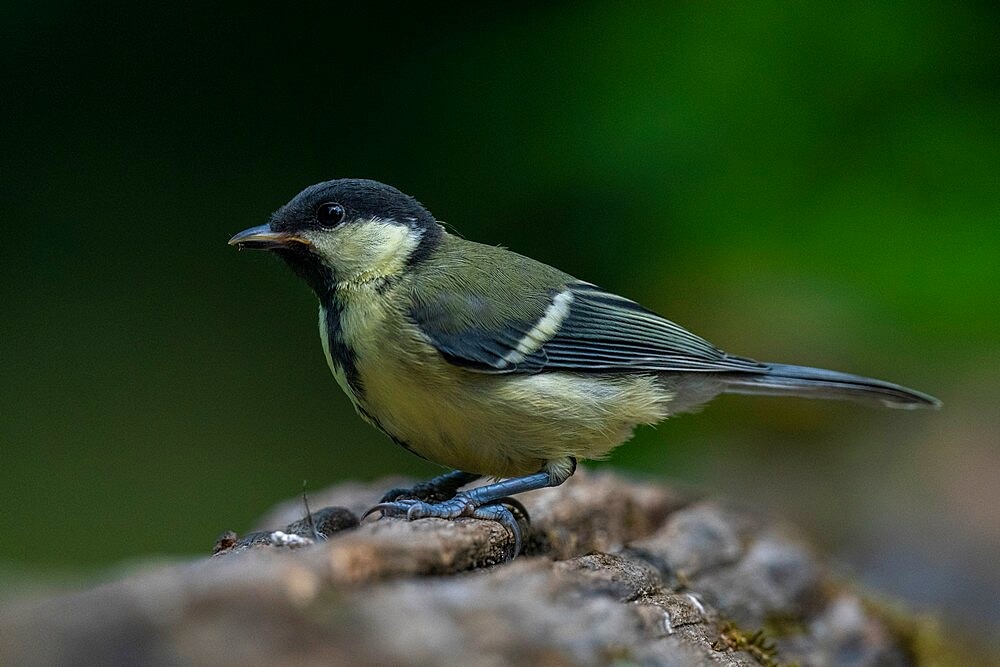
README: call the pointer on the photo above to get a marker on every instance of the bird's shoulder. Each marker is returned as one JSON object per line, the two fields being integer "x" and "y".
{"x": 469, "y": 285}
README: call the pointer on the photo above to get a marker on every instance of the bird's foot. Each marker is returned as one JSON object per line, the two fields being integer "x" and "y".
{"x": 492, "y": 501}
{"x": 508, "y": 512}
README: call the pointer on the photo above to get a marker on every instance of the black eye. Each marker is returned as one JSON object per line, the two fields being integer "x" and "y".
{"x": 330, "y": 214}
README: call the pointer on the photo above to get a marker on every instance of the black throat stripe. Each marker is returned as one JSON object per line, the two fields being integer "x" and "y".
{"x": 340, "y": 352}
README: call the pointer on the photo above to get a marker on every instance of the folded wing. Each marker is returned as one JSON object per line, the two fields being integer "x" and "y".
{"x": 579, "y": 327}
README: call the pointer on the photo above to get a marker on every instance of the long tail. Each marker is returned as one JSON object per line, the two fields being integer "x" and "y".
{"x": 786, "y": 380}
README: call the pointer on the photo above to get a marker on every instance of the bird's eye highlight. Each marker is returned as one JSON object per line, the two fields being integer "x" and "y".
{"x": 330, "y": 214}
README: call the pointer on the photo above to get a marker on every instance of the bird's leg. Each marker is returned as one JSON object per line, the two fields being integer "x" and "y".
{"x": 442, "y": 487}
{"x": 484, "y": 502}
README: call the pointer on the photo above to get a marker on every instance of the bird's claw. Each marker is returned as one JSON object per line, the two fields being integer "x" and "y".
{"x": 411, "y": 508}
{"x": 503, "y": 515}
{"x": 507, "y": 511}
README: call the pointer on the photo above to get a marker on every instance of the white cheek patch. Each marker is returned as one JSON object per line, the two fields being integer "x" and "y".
{"x": 368, "y": 249}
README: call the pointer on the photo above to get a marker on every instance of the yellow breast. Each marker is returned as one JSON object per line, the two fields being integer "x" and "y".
{"x": 496, "y": 425}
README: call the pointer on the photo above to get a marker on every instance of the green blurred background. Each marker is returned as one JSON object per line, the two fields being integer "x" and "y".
{"x": 807, "y": 184}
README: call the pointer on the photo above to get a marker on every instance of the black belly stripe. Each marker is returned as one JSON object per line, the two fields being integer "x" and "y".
{"x": 340, "y": 352}
{"x": 344, "y": 356}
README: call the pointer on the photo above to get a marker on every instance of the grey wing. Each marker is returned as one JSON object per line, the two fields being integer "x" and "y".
{"x": 583, "y": 329}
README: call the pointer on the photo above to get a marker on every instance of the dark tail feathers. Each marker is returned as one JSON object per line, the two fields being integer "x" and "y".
{"x": 786, "y": 380}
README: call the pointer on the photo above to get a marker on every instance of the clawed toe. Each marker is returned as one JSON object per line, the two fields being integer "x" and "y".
{"x": 417, "y": 509}
{"x": 503, "y": 515}
{"x": 394, "y": 508}
{"x": 381, "y": 507}
{"x": 509, "y": 512}
{"x": 491, "y": 502}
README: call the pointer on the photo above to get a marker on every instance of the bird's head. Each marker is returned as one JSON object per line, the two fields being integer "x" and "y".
{"x": 347, "y": 230}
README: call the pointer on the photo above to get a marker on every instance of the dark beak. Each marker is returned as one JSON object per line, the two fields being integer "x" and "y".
{"x": 264, "y": 238}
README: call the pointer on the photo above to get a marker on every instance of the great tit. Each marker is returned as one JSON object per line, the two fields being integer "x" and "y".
{"x": 491, "y": 363}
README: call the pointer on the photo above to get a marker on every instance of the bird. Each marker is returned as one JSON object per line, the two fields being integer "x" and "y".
{"x": 495, "y": 365}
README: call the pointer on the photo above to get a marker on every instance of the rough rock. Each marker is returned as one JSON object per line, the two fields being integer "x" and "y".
{"x": 614, "y": 571}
